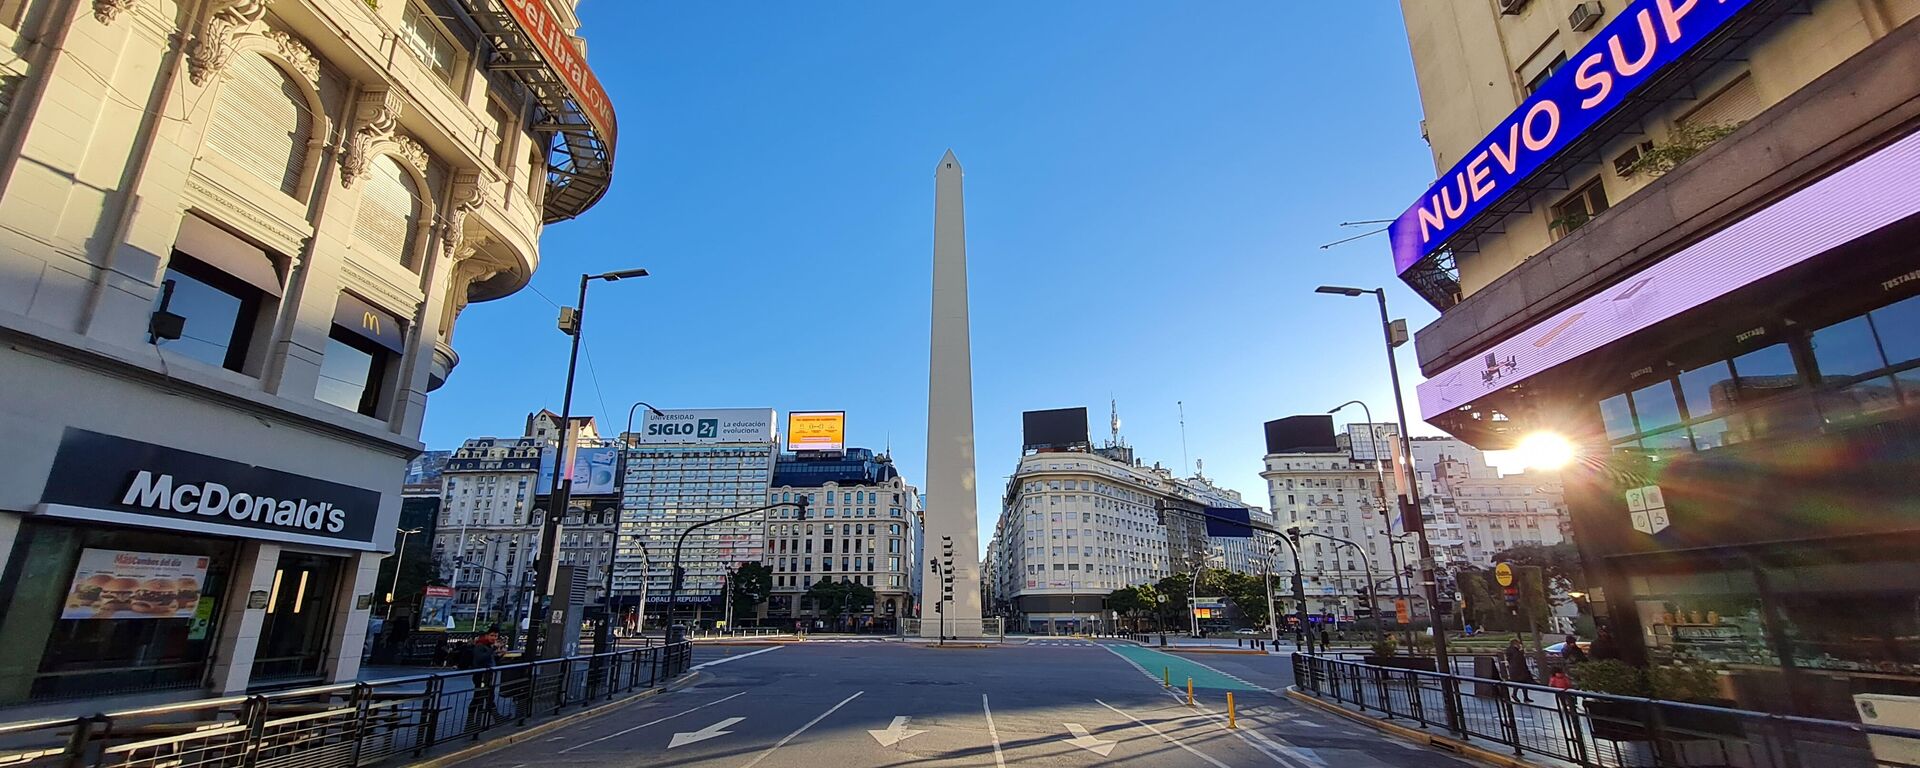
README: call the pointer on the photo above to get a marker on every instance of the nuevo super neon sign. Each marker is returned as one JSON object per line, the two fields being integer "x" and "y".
{"x": 1628, "y": 52}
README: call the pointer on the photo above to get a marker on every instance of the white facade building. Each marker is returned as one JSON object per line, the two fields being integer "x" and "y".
{"x": 865, "y": 533}
{"x": 234, "y": 239}
{"x": 1329, "y": 494}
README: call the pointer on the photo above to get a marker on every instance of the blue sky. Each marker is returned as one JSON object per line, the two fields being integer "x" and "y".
{"x": 1148, "y": 185}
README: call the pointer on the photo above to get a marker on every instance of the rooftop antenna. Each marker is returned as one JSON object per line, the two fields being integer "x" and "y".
{"x": 1183, "y": 434}
{"x": 1113, "y": 421}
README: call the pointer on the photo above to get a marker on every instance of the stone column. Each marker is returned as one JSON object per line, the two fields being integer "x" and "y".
{"x": 239, "y": 624}
{"x": 360, "y": 576}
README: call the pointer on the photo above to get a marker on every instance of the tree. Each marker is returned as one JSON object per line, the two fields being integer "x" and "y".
{"x": 1561, "y": 563}
{"x": 1125, "y": 601}
{"x": 840, "y": 598}
{"x": 751, "y": 583}
{"x": 1249, "y": 594}
{"x": 1176, "y": 588}
{"x": 420, "y": 570}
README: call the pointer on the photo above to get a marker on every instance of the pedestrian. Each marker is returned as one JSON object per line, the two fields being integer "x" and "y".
{"x": 1604, "y": 647}
{"x": 1518, "y": 671}
{"x": 1326, "y": 640}
{"x": 1570, "y": 650}
{"x": 1560, "y": 680}
{"x": 486, "y": 648}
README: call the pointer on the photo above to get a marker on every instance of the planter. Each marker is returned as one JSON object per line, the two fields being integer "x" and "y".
{"x": 1424, "y": 663}
{"x": 1625, "y": 721}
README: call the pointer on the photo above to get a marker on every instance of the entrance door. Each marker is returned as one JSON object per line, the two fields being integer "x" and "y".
{"x": 293, "y": 640}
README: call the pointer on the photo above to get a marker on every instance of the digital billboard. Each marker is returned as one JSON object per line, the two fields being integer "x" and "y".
{"x": 1057, "y": 428}
{"x": 594, "y": 471}
{"x": 817, "y": 431}
{"x": 706, "y": 426}
{"x": 1870, "y": 194}
{"x": 1301, "y": 434}
{"x": 1229, "y": 522}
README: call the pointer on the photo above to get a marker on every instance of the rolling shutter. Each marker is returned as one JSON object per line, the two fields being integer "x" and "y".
{"x": 1733, "y": 105}
{"x": 389, "y": 211}
{"x": 262, "y": 123}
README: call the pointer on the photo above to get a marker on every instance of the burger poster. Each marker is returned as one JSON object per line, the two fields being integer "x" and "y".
{"x": 112, "y": 584}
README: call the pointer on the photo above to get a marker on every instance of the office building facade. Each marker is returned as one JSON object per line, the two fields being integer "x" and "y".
{"x": 1700, "y": 268}
{"x": 232, "y": 278}
{"x": 863, "y": 525}
{"x": 682, "y": 468}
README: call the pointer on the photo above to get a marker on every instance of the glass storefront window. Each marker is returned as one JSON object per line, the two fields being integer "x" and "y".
{"x": 1707, "y": 389}
{"x": 1655, "y": 406}
{"x": 1846, "y": 349}
{"x": 1617, "y": 416}
{"x": 1764, "y": 373}
{"x": 1718, "y": 433}
{"x": 1860, "y": 399}
{"x": 50, "y": 657}
{"x": 1897, "y": 324}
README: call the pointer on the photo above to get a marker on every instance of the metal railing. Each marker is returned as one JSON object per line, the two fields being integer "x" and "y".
{"x": 1600, "y": 730}
{"x": 351, "y": 724}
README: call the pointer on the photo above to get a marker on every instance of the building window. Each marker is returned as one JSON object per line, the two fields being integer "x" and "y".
{"x": 422, "y": 35}
{"x": 1575, "y": 210}
{"x": 1540, "y": 78}
{"x": 262, "y": 124}
{"x": 391, "y": 209}
{"x": 361, "y": 348}
{"x": 221, "y": 287}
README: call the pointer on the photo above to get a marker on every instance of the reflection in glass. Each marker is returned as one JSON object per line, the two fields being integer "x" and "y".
{"x": 1656, "y": 406}
{"x": 1866, "y": 397}
{"x": 1899, "y": 327}
{"x": 1667, "y": 442}
{"x": 1846, "y": 349}
{"x": 211, "y": 315}
{"x": 1617, "y": 416}
{"x": 344, "y": 375}
{"x": 1707, "y": 389}
{"x": 1765, "y": 373}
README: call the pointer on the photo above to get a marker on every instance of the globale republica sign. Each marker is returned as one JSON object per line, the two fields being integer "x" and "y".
{"x": 1629, "y": 52}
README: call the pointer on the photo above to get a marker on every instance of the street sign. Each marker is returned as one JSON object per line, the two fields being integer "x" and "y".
{"x": 1503, "y": 573}
{"x": 1402, "y": 612}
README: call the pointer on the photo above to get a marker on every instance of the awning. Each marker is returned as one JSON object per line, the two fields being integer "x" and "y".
{"x": 218, "y": 249}
{"x": 370, "y": 322}
{"x": 529, "y": 45}
{"x": 1873, "y": 193}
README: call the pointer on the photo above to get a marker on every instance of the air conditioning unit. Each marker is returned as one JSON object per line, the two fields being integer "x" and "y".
{"x": 1511, "y": 7}
{"x": 1585, "y": 15}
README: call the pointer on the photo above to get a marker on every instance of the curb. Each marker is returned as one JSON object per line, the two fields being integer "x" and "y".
{"x": 1228, "y": 651}
{"x": 525, "y": 734}
{"x": 1423, "y": 738}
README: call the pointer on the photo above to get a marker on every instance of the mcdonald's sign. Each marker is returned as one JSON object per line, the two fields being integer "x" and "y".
{"x": 355, "y": 315}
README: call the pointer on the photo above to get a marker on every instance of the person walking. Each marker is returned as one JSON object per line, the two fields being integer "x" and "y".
{"x": 1518, "y": 671}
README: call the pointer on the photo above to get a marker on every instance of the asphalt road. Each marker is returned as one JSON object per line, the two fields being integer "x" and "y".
{"x": 1052, "y": 704}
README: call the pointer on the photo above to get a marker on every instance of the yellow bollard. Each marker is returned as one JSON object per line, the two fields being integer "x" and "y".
{"x": 1189, "y": 691}
{"x": 1166, "y": 677}
{"x": 1230, "y": 717}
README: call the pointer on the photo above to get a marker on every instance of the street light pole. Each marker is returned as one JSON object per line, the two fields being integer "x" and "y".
{"x": 603, "y": 638}
{"x": 1366, "y": 563}
{"x": 399, "y": 559}
{"x": 1411, "y": 519}
{"x": 1273, "y": 614}
{"x": 546, "y": 568}
{"x": 676, "y": 576}
{"x": 1393, "y": 552}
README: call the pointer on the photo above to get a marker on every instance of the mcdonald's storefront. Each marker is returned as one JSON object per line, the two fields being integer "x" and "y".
{"x": 160, "y": 545}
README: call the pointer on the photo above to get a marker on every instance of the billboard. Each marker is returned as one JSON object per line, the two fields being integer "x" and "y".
{"x": 706, "y": 426}
{"x": 1229, "y": 523}
{"x": 1850, "y": 203}
{"x": 1380, "y": 448}
{"x": 1301, "y": 434}
{"x": 1057, "y": 428}
{"x": 817, "y": 431}
{"x": 1595, "y": 82}
{"x": 112, "y": 584}
{"x": 595, "y": 471}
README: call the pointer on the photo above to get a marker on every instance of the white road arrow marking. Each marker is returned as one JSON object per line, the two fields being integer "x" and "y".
{"x": 895, "y": 733}
{"x": 1086, "y": 741}
{"x": 717, "y": 729}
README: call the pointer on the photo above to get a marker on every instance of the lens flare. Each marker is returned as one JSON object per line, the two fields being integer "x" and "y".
{"x": 1545, "y": 450}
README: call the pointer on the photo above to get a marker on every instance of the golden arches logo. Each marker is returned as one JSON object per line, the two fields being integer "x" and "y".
{"x": 370, "y": 322}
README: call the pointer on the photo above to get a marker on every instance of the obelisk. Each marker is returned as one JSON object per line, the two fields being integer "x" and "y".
{"x": 952, "y": 525}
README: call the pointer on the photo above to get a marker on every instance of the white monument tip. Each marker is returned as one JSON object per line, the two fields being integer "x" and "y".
{"x": 948, "y": 161}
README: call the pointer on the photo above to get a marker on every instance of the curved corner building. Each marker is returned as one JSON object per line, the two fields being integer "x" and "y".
{"x": 235, "y": 236}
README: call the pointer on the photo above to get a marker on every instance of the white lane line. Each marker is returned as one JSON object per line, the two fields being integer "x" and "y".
{"x": 1269, "y": 748}
{"x": 1170, "y": 739}
{"x": 803, "y": 729}
{"x": 645, "y": 724}
{"x": 718, "y": 662}
{"x": 999, "y": 760}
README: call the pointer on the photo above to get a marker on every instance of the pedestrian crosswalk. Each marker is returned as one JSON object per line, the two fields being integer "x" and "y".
{"x": 845, "y": 640}
{"x": 1062, "y": 643}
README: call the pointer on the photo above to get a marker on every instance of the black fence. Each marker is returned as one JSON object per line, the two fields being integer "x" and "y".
{"x": 339, "y": 725}
{"x": 1590, "y": 729}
